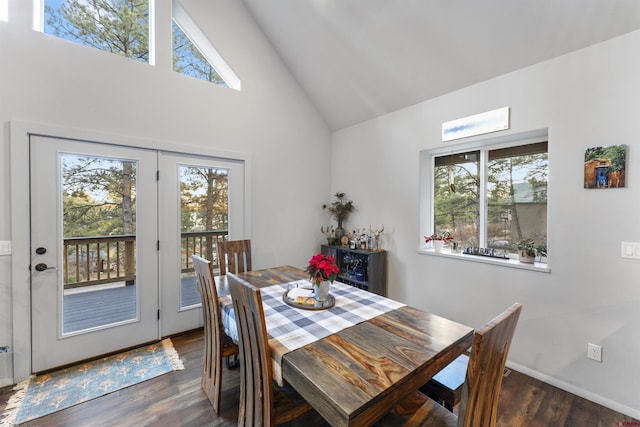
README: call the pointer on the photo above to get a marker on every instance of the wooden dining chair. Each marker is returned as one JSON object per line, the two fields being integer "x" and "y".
{"x": 234, "y": 256}
{"x": 262, "y": 402}
{"x": 217, "y": 344}
{"x": 481, "y": 388}
{"x": 446, "y": 387}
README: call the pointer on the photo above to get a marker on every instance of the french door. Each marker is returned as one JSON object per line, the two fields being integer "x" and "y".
{"x": 112, "y": 232}
{"x": 201, "y": 203}
{"x": 94, "y": 258}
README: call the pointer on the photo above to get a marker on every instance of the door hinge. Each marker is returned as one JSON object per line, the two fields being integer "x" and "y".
{"x": 158, "y": 314}
{"x": 157, "y": 175}
{"x": 158, "y": 245}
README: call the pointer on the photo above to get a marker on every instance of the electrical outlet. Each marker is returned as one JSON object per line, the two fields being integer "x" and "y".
{"x": 594, "y": 352}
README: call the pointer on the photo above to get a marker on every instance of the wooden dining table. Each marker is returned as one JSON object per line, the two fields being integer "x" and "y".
{"x": 355, "y": 376}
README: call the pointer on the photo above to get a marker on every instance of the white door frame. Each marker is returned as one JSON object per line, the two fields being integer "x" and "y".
{"x": 19, "y": 132}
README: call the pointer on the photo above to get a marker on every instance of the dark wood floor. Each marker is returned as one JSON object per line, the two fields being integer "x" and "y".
{"x": 175, "y": 399}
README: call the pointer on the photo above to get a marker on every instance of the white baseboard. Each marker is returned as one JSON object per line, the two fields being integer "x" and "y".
{"x": 592, "y": 397}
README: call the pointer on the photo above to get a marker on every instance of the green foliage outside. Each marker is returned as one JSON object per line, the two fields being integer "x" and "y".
{"x": 116, "y": 26}
{"x": 456, "y": 197}
{"x": 188, "y": 60}
{"x": 515, "y": 184}
{"x": 98, "y": 197}
{"x": 122, "y": 27}
{"x": 204, "y": 199}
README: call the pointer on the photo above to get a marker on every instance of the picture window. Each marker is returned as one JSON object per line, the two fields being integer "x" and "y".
{"x": 488, "y": 195}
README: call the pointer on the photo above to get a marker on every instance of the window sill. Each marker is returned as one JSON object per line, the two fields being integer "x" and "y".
{"x": 540, "y": 267}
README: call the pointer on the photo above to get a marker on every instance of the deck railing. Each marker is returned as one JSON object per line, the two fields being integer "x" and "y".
{"x": 108, "y": 259}
{"x": 201, "y": 243}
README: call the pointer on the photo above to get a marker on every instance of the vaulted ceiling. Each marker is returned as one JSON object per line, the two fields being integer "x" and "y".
{"x": 358, "y": 59}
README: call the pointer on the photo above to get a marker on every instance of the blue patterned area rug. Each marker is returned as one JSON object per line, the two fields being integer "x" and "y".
{"x": 44, "y": 394}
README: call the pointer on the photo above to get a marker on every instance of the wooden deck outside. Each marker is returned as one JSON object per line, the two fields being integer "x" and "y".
{"x": 89, "y": 308}
{"x": 100, "y": 277}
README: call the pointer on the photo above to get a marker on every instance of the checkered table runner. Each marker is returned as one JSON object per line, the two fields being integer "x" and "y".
{"x": 290, "y": 328}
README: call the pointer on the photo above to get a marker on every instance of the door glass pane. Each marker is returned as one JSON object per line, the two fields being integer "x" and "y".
{"x": 99, "y": 249}
{"x": 204, "y": 221}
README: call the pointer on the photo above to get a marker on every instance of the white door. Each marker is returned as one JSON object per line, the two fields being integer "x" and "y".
{"x": 201, "y": 202}
{"x": 94, "y": 257}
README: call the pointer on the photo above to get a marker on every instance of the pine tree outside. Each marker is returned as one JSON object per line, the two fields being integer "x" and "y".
{"x": 515, "y": 195}
{"x": 122, "y": 27}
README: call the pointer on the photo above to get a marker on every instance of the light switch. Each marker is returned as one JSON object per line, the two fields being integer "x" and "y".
{"x": 5, "y": 247}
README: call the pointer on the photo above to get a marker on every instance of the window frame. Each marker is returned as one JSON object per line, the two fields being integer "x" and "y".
{"x": 201, "y": 42}
{"x": 4, "y": 10}
{"x": 426, "y": 186}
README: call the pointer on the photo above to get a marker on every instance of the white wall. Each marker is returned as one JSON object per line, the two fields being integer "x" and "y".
{"x": 586, "y": 99}
{"x": 48, "y": 80}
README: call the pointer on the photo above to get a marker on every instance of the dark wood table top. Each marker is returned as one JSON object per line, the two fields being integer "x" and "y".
{"x": 357, "y": 375}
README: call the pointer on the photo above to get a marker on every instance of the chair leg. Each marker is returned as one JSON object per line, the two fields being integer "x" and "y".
{"x": 233, "y": 364}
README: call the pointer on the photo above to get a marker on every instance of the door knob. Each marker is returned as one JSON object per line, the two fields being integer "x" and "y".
{"x": 43, "y": 267}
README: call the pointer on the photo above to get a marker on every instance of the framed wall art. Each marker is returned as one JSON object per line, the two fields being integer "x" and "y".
{"x": 604, "y": 167}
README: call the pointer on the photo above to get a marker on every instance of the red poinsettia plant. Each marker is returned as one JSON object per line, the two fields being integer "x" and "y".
{"x": 322, "y": 267}
{"x": 445, "y": 236}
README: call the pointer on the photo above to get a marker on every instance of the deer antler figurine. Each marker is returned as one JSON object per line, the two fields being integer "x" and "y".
{"x": 376, "y": 234}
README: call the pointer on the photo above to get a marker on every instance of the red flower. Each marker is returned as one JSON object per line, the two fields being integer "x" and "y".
{"x": 446, "y": 236}
{"x": 322, "y": 267}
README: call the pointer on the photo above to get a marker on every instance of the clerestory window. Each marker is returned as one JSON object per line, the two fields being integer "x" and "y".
{"x": 4, "y": 10}
{"x": 124, "y": 27}
{"x": 188, "y": 60}
{"x": 194, "y": 55}
{"x": 116, "y": 26}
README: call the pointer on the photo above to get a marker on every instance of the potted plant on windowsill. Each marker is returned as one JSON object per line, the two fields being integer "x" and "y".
{"x": 541, "y": 252}
{"x": 438, "y": 240}
{"x": 526, "y": 250}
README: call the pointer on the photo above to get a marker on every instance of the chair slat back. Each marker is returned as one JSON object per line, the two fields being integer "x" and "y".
{"x": 212, "y": 357}
{"x": 481, "y": 389}
{"x": 256, "y": 392}
{"x": 234, "y": 256}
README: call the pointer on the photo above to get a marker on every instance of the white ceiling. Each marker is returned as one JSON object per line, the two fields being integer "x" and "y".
{"x": 358, "y": 59}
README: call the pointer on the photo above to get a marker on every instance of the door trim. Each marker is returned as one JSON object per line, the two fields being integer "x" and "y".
{"x": 19, "y": 132}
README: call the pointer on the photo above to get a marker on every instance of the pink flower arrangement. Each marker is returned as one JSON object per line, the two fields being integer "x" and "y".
{"x": 446, "y": 236}
{"x": 322, "y": 267}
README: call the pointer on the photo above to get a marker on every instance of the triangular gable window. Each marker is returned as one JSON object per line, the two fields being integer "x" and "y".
{"x": 194, "y": 55}
{"x": 188, "y": 60}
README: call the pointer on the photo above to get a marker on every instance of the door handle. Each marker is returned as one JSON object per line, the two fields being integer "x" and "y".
{"x": 43, "y": 267}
